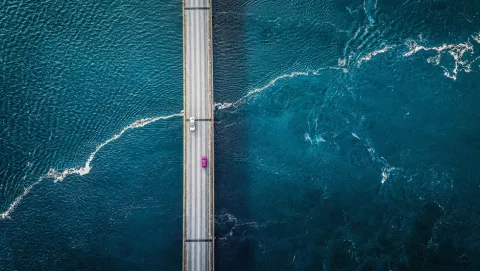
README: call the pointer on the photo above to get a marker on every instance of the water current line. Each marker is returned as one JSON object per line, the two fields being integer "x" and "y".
{"x": 457, "y": 51}
{"x": 58, "y": 176}
{"x": 225, "y": 105}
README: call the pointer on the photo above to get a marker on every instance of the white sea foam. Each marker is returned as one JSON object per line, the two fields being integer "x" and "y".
{"x": 17, "y": 201}
{"x": 457, "y": 51}
{"x": 347, "y": 60}
{"x": 435, "y": 60}
{"x": 220, "y": 106}
{"x": 58, "y": 176}
{"x": 225, "y": 217}
{"x": 319, "y": 139}
{"x": 384, "y": 175}
{"x": 272, "y": 82}
{"x": 367, "y": 12}
{"x": 369, "y": 56}
{"x": 387, "y": 171}
{"x": 308, "y": 138}
{"x": 225, "y": 105}
{"x": 229, "y": 217}
{"x": 476, "y": 37}
{"x": 342, "y": 64}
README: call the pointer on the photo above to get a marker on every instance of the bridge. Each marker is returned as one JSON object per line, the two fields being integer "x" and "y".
{"x": 198, "y": 198}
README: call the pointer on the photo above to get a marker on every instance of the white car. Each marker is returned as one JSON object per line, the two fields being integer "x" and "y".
{"x": 192, "y": 124}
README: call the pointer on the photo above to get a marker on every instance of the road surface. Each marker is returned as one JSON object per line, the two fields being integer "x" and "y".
{"x": 198, "y": 236}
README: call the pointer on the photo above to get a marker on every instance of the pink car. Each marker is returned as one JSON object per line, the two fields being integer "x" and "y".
{"x": 204, "y": 161}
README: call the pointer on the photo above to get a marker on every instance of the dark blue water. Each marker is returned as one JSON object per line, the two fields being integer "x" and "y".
{"x": 356, "y": 146}
{"x": 346, "y": 135}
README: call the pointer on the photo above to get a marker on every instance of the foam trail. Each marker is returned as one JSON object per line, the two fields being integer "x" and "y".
{"x": 220, "y": 106}
{"x": 342, "y": 63}
{"x": 308, "y": 138}
{"x": 368, "y": 56}
{"x": 476, "y": 37}
{"x": 58, "y": 176}
{"x": 457, "y": 51}
{"x": 384, "y": 175}
{"x": 386, "y": 171}
{"x": 14, "y": 204}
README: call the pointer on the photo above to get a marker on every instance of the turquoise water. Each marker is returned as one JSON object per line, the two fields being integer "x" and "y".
{"x": 346, "y": 135}
{"x": 74, "y": 74}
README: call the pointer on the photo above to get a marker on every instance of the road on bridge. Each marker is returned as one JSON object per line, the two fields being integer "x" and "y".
{"x": 198, "y": 214}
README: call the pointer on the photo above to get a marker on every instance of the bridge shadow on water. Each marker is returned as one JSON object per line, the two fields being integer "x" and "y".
{"x": 234, "y": 250}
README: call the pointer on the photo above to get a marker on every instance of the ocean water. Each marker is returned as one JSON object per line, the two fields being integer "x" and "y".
{"x": 80, "y": 82}
{"x": 346, "y": 135}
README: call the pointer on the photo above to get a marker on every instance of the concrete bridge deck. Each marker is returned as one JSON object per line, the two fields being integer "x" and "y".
{"x": 198, "y": 214}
